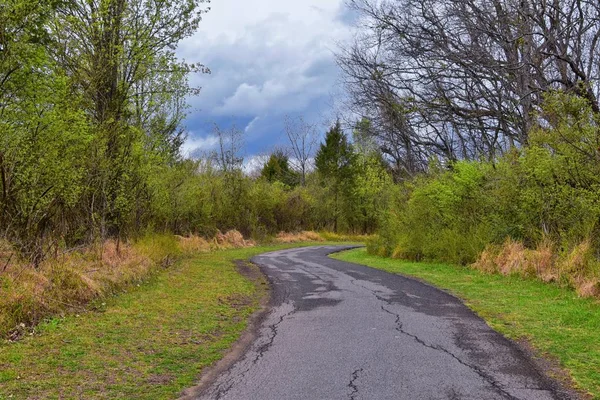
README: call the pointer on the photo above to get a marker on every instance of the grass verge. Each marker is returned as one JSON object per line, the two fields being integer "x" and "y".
{"x": 557, "y": 323}
{"x": 148, "y": 343}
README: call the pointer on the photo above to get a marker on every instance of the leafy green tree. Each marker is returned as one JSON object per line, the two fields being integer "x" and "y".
{"x": 44, "y": 135}
{"x": 368, "y": 194}
{"x": 120, "y": 54}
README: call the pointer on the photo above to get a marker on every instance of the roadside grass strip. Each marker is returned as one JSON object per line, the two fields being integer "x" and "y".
{"x": 148, "y": 343}
{"x": 560, "y": 326}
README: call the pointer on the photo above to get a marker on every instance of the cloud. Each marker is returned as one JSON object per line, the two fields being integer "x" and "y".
{"x": 251, "y": 124}
{"x": 268, "y": 59}
{"x": 194, "y": 146}
{"x": 253, "y": 165}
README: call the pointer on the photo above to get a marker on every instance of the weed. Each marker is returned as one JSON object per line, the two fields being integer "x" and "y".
{"x": 577, "y": 269}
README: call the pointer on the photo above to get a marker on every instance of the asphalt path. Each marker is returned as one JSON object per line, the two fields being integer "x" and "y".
{"x": 337, "y": 330}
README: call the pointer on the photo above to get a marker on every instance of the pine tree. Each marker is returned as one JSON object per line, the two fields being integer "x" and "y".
{"x": 334, "y": 164}
{"x": 277, "y": 168}
{"x": 335, "y": 156}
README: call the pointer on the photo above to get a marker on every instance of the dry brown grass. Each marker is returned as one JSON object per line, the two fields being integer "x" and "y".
{"x": 194, "y": 244}
{"x": 578, "y": 261}
{"x": 588, "y": 288}
{"x": 221, "y": 241}
{"x": 304, "y": 236}
{"x": 68, "y": 283}
{"x": 578, "y": 268}
{"x": 232, "y": 239}
{"x": 544, "y": 259}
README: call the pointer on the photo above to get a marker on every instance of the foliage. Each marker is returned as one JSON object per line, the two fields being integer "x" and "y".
{"x": 533, "y": 212}
{"x": 442, "y": 216}
{"x": 91, "y": 106}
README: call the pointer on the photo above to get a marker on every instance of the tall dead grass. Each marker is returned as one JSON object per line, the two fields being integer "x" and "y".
{"x": 577, "y": 268}
{"x": 298, "y": 237}
{"x": 311, "y": 236}
{"x": 68, "y": 283}
{"x": 222, "y": 241}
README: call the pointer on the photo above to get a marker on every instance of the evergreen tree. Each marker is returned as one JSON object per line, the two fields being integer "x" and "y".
{"x": 277, "y": 168}
{"x": 335, "y": 156}
{"x": 334, "y": 164}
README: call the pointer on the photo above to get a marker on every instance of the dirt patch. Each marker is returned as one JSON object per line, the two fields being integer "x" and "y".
{"x": 237, "y": 351}
{"x": 160, "y": 379}
{"x": 250, "y": 271}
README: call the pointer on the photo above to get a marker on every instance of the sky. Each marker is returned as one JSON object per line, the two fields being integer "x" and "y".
{"x": 269, "y": 59}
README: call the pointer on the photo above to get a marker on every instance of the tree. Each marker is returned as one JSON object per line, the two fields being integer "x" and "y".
{"x": 335, "y": 155}
{"x": 333, "y": 163}
{"x": 229, "y": 155}
{"x": 92, "y": 99}
{"x": 44, "y": 135}
{"x": 303, "y": 140}
{"x": 120, "y": 57}
{"x": 464, "y": 79}
{"x": 277, "y": 169}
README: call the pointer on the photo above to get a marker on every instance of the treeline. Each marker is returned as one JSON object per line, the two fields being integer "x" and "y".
{"x": 488, "y": 114}
{"x": 345, "y": 191}
{"x": 534, "y": 211}
{"x": 92, "y": 104}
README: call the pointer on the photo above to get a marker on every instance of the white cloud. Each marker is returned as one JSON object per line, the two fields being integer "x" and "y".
{"x": 265, "y": 54}
{"x": 268, "y": 58}
{"x": 196, "y": 145}
{"x": 253, "y": 165}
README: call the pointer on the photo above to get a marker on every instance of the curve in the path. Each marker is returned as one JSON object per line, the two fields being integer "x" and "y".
{"x": 338, "y": 330}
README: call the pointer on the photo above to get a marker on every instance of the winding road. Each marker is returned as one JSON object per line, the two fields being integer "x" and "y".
{"x": 337, "y": 330}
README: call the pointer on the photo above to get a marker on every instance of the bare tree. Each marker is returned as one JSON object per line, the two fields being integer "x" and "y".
{"x": 303, "y": 138}
{"x": 468, "y": 75}
{"x": 229, "y": 156}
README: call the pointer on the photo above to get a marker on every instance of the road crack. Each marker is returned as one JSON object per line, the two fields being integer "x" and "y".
{"x": 274, "y": 330}
{"x": 224, "y": 387}
{"x": 482, "y": 374}
{"x": 399, "y": 327}
{"x": 352, "y": 385}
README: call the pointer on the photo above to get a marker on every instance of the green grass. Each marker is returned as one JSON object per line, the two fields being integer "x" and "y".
{"x": 148, "y": 343}
{"x": 554, "y": 320}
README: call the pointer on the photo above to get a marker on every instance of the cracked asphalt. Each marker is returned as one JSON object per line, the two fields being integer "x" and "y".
{"x": 337, "y": 330}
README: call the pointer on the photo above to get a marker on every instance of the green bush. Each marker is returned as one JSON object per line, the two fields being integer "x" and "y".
{"x": 547, "y": 190}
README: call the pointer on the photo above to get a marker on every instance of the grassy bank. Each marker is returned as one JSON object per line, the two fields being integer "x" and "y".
{"x": 558, "y": 323}
{"x": 148, "y": 343}
{"x": 66, "y": 283}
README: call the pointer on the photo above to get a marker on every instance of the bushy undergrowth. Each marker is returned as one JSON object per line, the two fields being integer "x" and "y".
{"x": 534, "y": 211}
{"x": 69, "y": 282}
